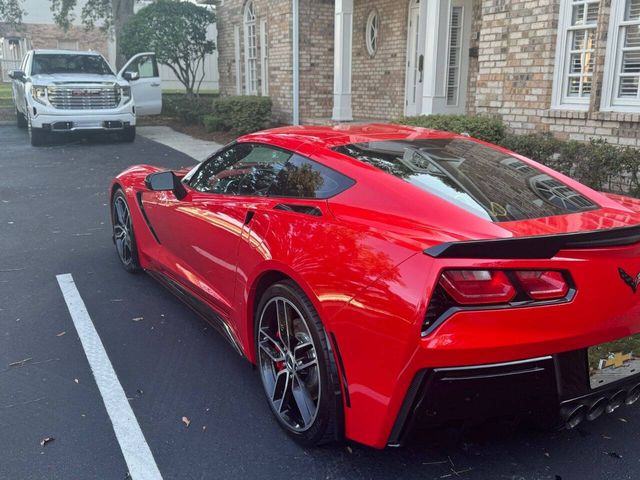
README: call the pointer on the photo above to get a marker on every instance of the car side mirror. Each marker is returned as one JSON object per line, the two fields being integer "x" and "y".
{"x": 165, "y": 182}
{"x": 131, "y": 76}
{"x": 16, "y": 74}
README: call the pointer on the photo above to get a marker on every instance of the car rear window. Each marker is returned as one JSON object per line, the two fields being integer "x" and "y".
{"x": 483, "y": 180}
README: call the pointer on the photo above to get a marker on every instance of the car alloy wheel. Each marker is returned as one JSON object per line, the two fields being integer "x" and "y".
{"x": 289, "y": 364}
{"x": 123, "y": 235}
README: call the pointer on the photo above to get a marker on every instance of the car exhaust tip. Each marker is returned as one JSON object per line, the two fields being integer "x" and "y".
{"x": 575, "y": 416}
{"x": 616, "y": 401}
{"x": 597, "y": 409}
{"x": 633, "y": 396}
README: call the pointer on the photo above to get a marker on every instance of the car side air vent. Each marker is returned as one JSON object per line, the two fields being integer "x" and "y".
{"x": 304, "y": 209}
{"x": 440, "y": 302}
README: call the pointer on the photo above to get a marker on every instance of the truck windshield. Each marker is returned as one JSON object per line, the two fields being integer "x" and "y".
{"x": 65, "y": 63}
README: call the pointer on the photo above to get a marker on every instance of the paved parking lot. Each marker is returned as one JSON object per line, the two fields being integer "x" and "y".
{"x": 54, "y": 220}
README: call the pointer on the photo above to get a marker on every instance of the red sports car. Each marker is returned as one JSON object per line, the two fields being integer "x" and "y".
{"x": 383, "y": 277}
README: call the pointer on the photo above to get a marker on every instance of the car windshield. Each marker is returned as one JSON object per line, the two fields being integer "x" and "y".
{"x": 45, "y": 63}
{"x": 483, "y": 180}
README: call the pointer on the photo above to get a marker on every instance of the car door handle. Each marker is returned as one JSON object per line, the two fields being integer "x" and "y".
{"x": 155, "y": 84}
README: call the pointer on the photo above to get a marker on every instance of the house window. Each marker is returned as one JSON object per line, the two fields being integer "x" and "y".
{"x": 250, "y": 49}
{"x": 68, "y": 44}
{"x": 575, "y": 54}
{"x": 372, "y": 32}
{"x": 264, "y": 57}
{"x": 621, "y": 87}
{"x": 455, "y": 55}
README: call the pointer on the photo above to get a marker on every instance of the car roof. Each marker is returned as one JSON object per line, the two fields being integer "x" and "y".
{"x": 344, "y": 134}
{"x": 52, "y": 51}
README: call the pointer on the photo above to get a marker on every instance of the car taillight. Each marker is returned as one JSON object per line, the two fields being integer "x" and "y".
{"x": 543, "y": 285}
{"x": 478, "y": 287}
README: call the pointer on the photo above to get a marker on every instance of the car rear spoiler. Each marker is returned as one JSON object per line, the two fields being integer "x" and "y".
{"x": 543, "y": 246}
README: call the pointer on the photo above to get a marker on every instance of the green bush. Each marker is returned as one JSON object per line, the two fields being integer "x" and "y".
{"x": 240, "y": 114}
{"x": 189, "y": 110}
{"x": 213, "y": 123}
{"x": 483, "y": 128}
{"x": 596, "y": 163}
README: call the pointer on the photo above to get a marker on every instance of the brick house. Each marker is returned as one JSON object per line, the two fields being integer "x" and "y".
{"x": 570, "y": 67}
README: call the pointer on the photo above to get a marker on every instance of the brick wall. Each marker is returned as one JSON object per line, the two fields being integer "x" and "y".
{"x": 316, "y": 54}
{"x": 316, "y": 59}
{"x": 48, "y": 36}
{"x": 378, "y": 82}
{"x": 517, "y": 49}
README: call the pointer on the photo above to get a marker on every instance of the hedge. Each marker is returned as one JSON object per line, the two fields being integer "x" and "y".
{"x": 241, "y": 115}
{"x": 190, "y": 110}
{"x": 598, "y": 164}
{"x": 483, "y": 128}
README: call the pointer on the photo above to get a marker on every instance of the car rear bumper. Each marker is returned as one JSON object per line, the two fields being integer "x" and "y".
{"x": 554, "y": 388}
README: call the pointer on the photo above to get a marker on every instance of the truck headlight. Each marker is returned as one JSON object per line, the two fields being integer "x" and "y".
{"x": 39, "y": 94}
{"x": 126, "y": 94}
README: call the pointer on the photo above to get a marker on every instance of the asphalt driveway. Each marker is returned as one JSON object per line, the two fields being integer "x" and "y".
{"x": 54, "y": 219}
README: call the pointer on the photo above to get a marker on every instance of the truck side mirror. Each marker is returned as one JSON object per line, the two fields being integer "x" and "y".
{"x": 131, "y": 76}
{"x": 16, "y": 74}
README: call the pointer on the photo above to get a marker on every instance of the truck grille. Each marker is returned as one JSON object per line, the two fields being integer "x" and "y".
{"x": 84, "y": 97}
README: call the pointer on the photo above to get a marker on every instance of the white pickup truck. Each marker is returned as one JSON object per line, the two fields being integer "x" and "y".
{"x": 59, "y": 91}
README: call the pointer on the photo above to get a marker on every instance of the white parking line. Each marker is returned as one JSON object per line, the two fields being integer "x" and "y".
{"x": 142, "y": 465}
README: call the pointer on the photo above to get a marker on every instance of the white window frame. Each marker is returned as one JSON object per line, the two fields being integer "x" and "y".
{"x": 613, "y": 62}
{"x": 236, "y": 55}
{"x": 264, "y": 58}
{"x": 250, "y": 49}
{"x": 560, "y": 100}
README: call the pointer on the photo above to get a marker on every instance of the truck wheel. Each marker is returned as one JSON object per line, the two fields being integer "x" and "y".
{"x": 20, "y": 120}
{"x": 129, "y": 134}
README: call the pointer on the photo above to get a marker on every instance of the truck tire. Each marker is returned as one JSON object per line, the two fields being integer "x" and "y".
{"x": 20, "y": 120}
{"x": 129, "y": 134}
{"x": 38, "y": 137}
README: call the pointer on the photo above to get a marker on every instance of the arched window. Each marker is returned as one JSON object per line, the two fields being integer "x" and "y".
{"x": 372, "y": 32}
{"x": 250, "y": 49}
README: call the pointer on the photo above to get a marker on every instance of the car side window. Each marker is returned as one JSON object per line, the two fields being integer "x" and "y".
{"x": 304, "y": 178}
{"x": 145, "y": 66}
{"x": 243, "y": 169}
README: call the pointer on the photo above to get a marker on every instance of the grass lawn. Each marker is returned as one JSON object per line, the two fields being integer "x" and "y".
{"x": 6, "y": 101}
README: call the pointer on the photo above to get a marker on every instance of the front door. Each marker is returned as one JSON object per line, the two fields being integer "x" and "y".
{"x": 415, "y": 61}
{"x": 203, "y": 230}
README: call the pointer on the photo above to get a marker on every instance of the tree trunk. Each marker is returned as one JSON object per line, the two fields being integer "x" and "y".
{"x": 122, "y": 11}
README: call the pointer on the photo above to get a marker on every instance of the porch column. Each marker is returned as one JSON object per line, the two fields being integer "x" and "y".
{"x": 435, "y": 49}
{"x": 342, "y": 61}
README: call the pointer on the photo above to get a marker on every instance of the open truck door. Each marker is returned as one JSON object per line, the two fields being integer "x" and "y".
{"x": 141, "y": 71}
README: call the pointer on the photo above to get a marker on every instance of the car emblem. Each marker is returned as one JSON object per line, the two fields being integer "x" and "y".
{"x": 629, "y": 280}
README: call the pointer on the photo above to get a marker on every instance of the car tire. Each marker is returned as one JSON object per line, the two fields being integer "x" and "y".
{"x": 129, "y": 134}
{"x": 21, "y": 121}
{"x": 297, "y": 367}
{"x": 123, "y": 234}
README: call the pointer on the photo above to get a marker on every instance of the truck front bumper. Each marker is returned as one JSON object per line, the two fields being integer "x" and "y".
{"x": 53, "y": 120}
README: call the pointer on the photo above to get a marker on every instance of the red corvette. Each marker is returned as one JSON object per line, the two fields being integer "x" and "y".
{"x": 384, "y": 277}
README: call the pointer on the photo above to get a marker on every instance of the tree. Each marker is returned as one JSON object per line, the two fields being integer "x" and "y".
{"x": 11, "y": 11}
{"x": 177, "y": 32}
{"x": 107, "y": 13}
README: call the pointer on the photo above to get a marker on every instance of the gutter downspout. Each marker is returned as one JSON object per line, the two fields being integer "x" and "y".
{"x": 296, "y": 61}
